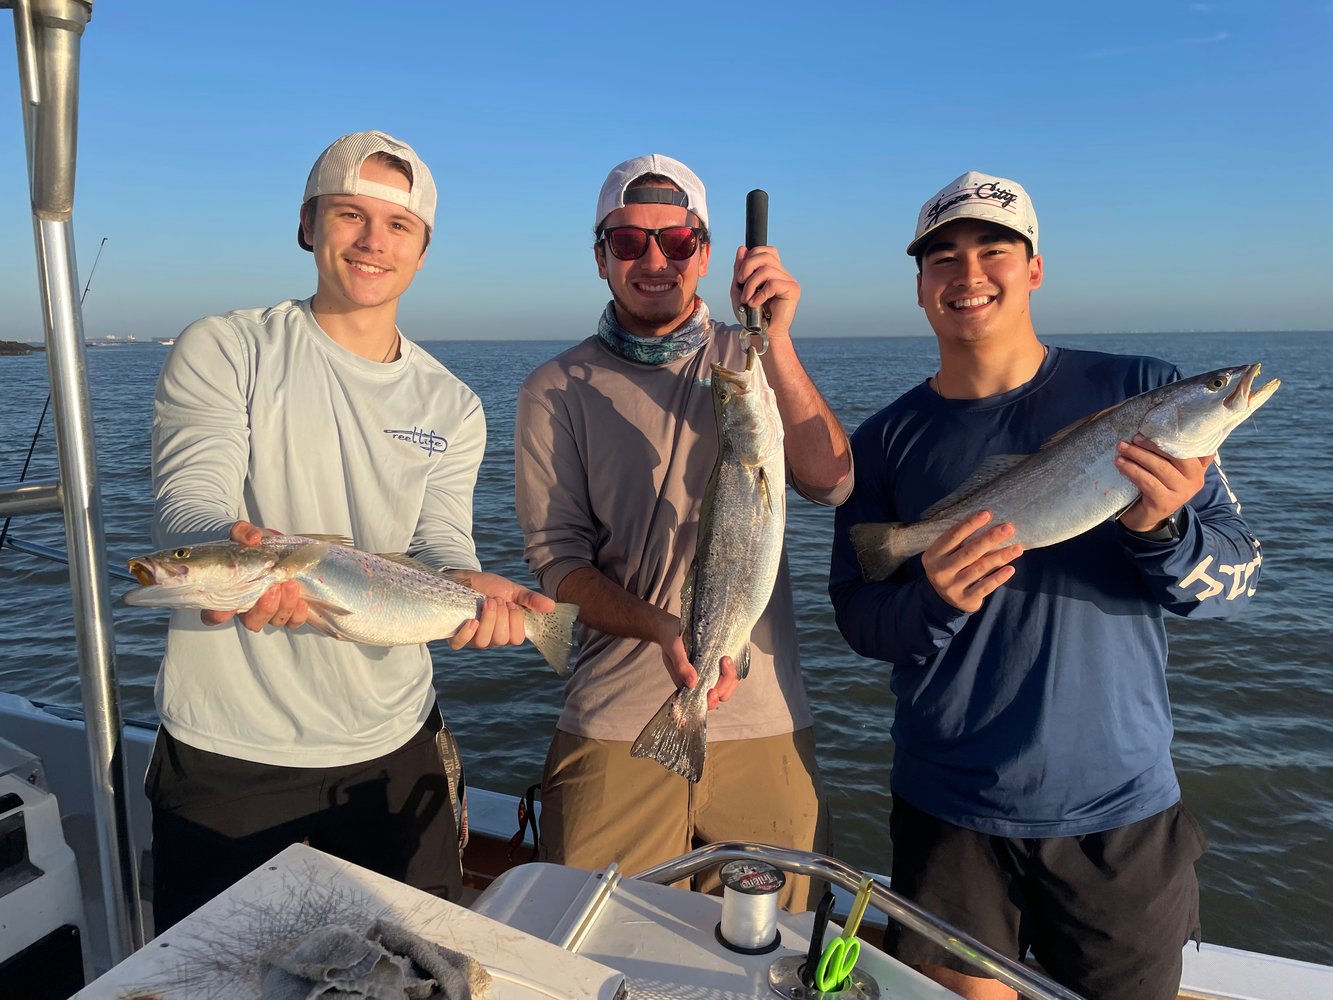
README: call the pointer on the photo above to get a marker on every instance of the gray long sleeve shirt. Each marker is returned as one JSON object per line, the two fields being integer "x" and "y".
{"x": 611, "y": 462}
{"x": 260, "y": 416}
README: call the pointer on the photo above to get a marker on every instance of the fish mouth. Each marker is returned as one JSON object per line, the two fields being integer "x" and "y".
{"x": 740, "y": 379}
{"x": 142, "y": 571}
{"x": 1245, "y": 397}
{"x": 146, "y": 570}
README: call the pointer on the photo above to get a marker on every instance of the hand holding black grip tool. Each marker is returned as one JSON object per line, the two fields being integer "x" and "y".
{"x": 756, "y": 235}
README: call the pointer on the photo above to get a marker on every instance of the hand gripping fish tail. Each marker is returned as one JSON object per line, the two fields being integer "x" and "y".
{"x": 1061, "y": 490}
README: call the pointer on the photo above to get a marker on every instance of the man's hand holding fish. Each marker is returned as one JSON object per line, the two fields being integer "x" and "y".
{"x": 1165, "y": 484}
{"x": 965, "y": 570}
{"x": 281, "y": 605}
{"x": 499, "y": 620}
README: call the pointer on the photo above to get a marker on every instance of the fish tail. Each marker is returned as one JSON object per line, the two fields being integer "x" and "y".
{"x": 552, "y": 632}
{"x": 879, "y": 549}
{"x": 677, "y": 736}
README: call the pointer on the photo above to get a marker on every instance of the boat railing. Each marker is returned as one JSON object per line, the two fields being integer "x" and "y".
{"x": 49, "y": 34}
{"x": 987, "y": 961}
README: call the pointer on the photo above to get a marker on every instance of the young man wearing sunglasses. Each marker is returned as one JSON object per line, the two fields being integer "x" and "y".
{"x": 1034, "y": 799}
{"x": 315, "y": 415}
{"x": 615, "y": 441}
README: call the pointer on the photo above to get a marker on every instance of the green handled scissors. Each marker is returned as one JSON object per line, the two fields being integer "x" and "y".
{"x": 839, "y": 958}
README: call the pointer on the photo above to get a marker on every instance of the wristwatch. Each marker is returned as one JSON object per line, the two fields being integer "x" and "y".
{"x": 1167, "y": 531}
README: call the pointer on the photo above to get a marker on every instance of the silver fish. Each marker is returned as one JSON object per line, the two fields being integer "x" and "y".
{"x": 1072, "y": 483}
{"x": 353, "y": 595}
{"x": 735, "y": 564}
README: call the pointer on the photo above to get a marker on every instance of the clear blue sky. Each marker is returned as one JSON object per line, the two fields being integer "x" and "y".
{"x": 1180, "y": 155}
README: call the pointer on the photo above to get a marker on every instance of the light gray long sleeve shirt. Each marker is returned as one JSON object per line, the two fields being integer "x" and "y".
{"x": 260, "y": 416}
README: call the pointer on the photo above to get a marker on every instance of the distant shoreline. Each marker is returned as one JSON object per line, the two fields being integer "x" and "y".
{"x": 13, "y": 348}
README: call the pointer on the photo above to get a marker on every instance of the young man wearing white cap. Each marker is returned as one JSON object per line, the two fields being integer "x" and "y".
{"x": 316, "y": 416}
{"x": 1034, "y": 799}
{"x": 615, "y": 441}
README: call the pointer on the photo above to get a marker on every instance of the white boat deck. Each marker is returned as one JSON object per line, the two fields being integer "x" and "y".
{"x": 215, "y": 952}
{"x": 1214, "y": 972}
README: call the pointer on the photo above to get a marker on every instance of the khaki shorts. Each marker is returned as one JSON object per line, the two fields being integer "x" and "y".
{"x": 600, "y": 805}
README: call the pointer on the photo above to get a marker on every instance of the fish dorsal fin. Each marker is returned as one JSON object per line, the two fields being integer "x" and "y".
{"x": 403, "y": 559}
{"x": 331, "y": 539}
{"x": 1065, "y": 431}
{"x": 984, "y": 474}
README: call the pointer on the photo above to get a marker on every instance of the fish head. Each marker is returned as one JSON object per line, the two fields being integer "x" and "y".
{"x": 748, "y": 422}
{"x": 221, "y": 576}
{"x": 1192, "y": 417}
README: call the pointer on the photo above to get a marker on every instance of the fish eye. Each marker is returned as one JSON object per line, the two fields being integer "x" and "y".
{"x": 1217, "y": 383}
{"x": 181, "y": 553}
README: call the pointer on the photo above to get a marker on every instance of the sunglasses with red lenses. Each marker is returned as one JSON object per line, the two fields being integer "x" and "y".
{"x": 631, "y": 242}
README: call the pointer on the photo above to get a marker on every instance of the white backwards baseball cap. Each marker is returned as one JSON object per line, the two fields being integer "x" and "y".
{"x": 338, "y": 171}
{"x": 614, "y": 195}
{"x": 976, "y": 195}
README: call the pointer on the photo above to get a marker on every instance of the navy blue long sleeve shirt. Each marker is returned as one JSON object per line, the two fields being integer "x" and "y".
{"x": 1044, "y": 713}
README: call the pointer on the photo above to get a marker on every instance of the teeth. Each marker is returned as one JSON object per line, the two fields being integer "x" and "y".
{"x": 971, "y": 303}
{"x": 654, "y": 288}
{"x": 367, "y": 268}
{"x": 980, "y": 300}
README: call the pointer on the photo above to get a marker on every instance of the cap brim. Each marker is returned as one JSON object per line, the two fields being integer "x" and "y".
{"x": 914, "y": 248}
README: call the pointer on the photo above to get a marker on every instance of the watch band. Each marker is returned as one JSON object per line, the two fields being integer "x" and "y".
{"x": 1167, "y": 531}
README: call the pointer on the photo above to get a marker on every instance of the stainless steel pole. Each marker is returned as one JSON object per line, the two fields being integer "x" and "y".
{"x": 51, "y": 125}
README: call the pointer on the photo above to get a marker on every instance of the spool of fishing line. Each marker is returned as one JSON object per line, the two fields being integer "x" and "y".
{"x": 750, "y": 907}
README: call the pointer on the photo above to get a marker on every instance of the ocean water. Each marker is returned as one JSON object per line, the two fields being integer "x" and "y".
{"x": 1253, "y": 697}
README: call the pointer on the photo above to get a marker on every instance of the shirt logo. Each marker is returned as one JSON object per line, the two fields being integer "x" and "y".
{"x": 428, "y": 441}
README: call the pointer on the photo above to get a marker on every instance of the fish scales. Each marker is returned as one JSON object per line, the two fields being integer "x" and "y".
{"x": 1072, "y": 484}
{"x": 735, "y": 564}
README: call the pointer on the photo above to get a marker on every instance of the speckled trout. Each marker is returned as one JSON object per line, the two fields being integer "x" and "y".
{"x": 735, "y": 563}
{"x": 1072, "y": 484}
{"x": 353, "y": 595}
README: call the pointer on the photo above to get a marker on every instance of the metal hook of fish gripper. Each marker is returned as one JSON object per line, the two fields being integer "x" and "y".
{"x": 745, "y": 336}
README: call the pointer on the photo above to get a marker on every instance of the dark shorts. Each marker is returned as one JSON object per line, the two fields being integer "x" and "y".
{"x": 217, "y": 818}
{"x": 1105, "y": 914}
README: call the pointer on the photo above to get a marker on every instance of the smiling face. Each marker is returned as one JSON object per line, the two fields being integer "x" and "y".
{"x": 653, "y": 295}
{"x": 975, "y": 283}
{"x": 366, "y": 250}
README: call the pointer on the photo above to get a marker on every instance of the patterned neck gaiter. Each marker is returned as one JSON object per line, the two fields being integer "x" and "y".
{"x": 656, "y": 350}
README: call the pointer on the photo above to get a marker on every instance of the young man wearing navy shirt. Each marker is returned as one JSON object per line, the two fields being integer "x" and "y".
{"x": 1035, "y": 804}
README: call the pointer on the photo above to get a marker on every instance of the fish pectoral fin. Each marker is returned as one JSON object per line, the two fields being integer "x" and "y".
{"x": 766, "y": 490}
{"x": 301, "y": 559}
{"x": 984, "y": 474}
